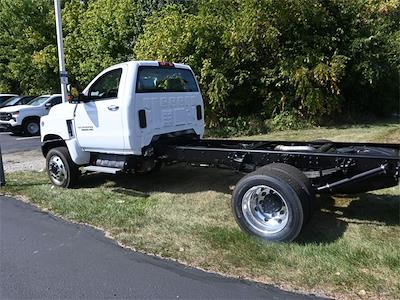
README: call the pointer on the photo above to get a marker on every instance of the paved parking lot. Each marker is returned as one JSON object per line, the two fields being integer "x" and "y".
{"x": 11, "y": 143}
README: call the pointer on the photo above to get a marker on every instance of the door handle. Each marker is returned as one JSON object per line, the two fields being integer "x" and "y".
{"x": 113, "y": 107}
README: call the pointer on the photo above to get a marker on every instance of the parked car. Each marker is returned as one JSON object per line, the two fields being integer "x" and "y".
{"x": 5, "y": 97}
{"x": 17, "y": 100}
{"x": 26, "y": 118}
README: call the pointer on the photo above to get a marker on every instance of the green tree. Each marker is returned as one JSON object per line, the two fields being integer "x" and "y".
{"x": 97, "y": 34}
{"x": 27, "y": 52}
{"x": 102, "y": 33}
{"x": 265, "y": 57}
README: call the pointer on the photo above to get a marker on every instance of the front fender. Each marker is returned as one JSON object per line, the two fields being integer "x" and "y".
{"x": 78, "y": 156}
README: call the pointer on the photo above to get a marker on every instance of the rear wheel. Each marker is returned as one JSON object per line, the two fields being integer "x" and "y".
{"x": 269, "y": 205}
{"x": 31, "y": 127}
{"x": 304, "y": 187}
{"x": 62, "y": 171}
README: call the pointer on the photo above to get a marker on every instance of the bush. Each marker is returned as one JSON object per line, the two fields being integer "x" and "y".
{"x": 266, "y": 58}
{"x": 288, "y": 120}
{"x": 228, "y": 127}
{"x": 254, "y": 59}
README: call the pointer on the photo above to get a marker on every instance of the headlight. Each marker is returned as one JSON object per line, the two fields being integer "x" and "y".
{"x": 14, "y": 115}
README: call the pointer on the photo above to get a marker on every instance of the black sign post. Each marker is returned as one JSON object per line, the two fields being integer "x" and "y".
{"x": 2, "y": 176}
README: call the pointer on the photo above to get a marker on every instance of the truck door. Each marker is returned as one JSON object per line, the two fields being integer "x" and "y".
{"x": 98, "y": 121}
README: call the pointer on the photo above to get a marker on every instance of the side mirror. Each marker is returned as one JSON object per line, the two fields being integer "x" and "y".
{"x": 47, "y": 105}
{"x": 83, "y": 98}
{"x": 73, "y": 91}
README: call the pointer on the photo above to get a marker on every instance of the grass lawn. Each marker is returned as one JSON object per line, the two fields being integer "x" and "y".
{"x": 349, "y": 249}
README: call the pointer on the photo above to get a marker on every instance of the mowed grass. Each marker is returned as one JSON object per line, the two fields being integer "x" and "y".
{"x": 380, "y": 132}
{"x": 349, "y": 249}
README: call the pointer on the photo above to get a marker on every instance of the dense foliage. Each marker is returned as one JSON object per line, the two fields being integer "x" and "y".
{"x": 97, "y": 34}
{"x": 259, "y": 59}
{"x": 28, "y": 61}
{"x": 266, "y": 57}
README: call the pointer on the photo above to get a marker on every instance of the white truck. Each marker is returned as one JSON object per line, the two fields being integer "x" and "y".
{"x": 26, "y": 118}
{"x": 137, "y": 115}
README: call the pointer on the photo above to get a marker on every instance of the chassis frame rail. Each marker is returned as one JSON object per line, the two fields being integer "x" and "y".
{"x": 329, "y": 171}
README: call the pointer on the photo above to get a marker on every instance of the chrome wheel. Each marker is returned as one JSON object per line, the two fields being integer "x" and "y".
{"x": 32, "y": 128}
{"x": 265, "y": 210}
{"x": 57, "y": 170}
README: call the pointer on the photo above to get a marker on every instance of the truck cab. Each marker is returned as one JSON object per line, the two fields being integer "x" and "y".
{"x": 124, "y": 110}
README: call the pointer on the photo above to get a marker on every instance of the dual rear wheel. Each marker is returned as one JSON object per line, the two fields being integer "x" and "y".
{"x": 274, "y": 202}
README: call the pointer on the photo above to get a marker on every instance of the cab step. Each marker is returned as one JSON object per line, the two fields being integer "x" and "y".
{"x": 102, "y": 169}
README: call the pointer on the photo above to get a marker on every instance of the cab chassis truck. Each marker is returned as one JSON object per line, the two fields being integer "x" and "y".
{"x": 137, "y": 116}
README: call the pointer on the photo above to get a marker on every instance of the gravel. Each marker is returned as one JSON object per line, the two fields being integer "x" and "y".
{"x": 24, "y": 161}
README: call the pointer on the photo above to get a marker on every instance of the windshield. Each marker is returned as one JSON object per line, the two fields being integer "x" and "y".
{"x": 11, "y": 101}
{"x": 39, "y": 100}
{"x": 4, "y": 98}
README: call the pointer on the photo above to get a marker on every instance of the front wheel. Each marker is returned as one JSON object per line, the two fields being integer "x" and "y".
{"x": 62, "y": 171}
{"x": 268, "y": 206}
{"x": 31, "y": 127}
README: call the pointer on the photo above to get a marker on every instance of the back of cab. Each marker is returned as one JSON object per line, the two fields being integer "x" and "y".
{"x": 167, "y": 101}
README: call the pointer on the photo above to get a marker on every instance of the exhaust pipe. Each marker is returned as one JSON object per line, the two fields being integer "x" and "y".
{"x": 295, "y": 148}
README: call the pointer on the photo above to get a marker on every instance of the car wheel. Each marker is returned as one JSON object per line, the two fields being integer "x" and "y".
{"x": 62, "y": 171}
{"x": 304, "y": 187}
{"x": 31, "y": 127}
{"x": 269, "y": 206}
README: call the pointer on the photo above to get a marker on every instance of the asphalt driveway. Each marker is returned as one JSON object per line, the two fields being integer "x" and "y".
{"x": 43, "y": 256}
{"x": 11, "y": 143}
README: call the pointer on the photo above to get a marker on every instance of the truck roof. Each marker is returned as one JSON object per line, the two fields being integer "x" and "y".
{"x": 49, "y": 95}
{"x": 151, "y": 63}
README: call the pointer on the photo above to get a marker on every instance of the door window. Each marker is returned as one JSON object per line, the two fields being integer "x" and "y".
{"x": 106, "y": 87}
{"x": 25, "y": 100}
{"x": 55, "y": 101}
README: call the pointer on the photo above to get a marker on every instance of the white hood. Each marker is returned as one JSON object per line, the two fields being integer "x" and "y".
{"x": 9, "y": 109}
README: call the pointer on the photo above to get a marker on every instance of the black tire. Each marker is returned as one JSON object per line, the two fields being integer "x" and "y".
{"x": 31, "y": 127}
{"x": 62, "y": 171}
{"x": 16, "y": 130}
{"x": 304, "y": 186}
{"x": 285, "y": 190}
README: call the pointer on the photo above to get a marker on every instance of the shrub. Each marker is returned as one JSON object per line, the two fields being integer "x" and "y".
{"x": 262, "y": 57}
{"x": 288, "y": 120}
{"x": 227, "y": 127}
